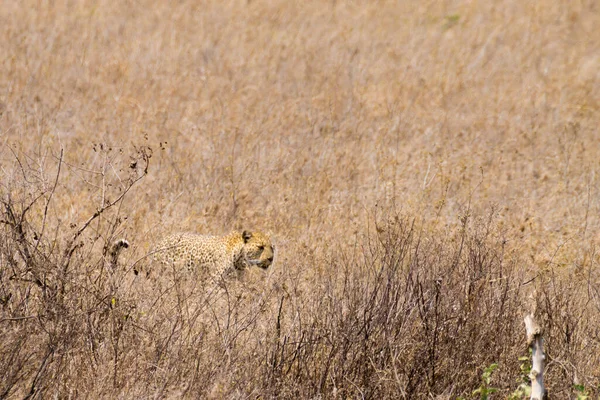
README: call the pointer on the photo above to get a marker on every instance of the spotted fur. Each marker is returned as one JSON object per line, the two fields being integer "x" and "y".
{"x": 215, "y": 256}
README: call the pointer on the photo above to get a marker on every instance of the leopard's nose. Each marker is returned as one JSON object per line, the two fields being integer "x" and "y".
{"x": 270, "y": 259}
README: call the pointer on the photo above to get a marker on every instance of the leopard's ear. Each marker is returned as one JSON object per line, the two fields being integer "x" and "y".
{"x": 247, "y": 235}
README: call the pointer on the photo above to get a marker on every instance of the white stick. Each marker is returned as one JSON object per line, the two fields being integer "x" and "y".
{"x": 535, "y": 341}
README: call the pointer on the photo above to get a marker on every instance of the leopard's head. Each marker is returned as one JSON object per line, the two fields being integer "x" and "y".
{"x": 258, "y": 249}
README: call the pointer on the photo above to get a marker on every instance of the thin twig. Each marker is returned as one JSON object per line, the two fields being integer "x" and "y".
{"x": 49, "y": 199}
{"x": 70, "y": 249}
{"x": 38, "y": 374}
{"x": 18, "y": 318}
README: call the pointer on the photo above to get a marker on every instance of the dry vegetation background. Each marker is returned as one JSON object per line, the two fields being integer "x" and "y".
{"x": 427, "y": 171}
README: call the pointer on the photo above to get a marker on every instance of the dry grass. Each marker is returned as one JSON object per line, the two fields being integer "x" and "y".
{"x": 427, "y": 171}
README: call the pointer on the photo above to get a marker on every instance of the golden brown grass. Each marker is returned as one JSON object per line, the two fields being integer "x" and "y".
{"x": 416, "y": 164}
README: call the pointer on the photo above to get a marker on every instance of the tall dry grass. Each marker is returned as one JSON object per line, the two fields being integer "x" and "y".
{"x": 426, "y": 170}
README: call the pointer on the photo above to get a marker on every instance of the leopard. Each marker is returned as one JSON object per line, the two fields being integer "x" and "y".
{"x": 216, "y": 257}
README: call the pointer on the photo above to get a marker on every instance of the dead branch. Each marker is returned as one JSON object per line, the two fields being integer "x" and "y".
{"x": 70, "y": 248}
{"x": 535, "y": 341}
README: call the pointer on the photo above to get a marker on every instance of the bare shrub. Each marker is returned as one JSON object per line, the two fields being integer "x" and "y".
{"x": 407, "y": 311}
{"x": 406, "y": 314}
{"x": 62, "y": 295}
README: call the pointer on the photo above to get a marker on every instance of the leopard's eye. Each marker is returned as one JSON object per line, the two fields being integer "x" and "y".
{"x": 261, "y": 248}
